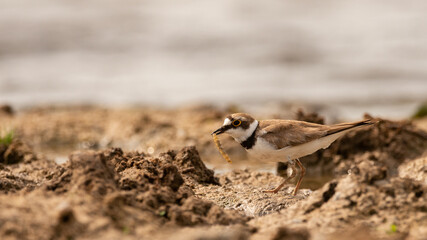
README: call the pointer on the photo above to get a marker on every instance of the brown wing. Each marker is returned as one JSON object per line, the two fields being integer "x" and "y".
{"x": 284, "y": 133}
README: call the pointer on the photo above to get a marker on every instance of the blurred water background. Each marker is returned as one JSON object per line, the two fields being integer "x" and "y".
{"x": 354, "y": 56}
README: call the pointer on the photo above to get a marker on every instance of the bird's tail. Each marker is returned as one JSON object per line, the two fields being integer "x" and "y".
{"x": 353, "y": 125}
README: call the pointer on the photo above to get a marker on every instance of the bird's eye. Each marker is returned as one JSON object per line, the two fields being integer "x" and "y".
{"x": 237, "y": 123}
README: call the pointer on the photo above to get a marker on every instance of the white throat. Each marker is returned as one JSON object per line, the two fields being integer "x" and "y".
{"x": 241, "y": 135}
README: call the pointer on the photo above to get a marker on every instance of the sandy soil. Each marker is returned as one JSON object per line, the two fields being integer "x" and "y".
{"x": 141, "y": 174}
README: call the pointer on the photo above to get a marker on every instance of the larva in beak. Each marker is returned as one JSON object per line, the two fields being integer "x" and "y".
{"x": 218, "y": 145}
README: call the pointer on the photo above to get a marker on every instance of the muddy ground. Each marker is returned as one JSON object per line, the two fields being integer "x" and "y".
{"x": 141, "y": 173}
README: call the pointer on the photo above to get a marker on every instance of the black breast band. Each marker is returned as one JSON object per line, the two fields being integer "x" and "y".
{"x": 250, "y": 142}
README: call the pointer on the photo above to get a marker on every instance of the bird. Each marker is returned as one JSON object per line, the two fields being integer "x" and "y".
{"x": 278, "y": 140}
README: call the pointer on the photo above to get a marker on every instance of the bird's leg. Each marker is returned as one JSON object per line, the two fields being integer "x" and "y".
{"x": 301, "y": 176}
{"x": 293, "y": 174}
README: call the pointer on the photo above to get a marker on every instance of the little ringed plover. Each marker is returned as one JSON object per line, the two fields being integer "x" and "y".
{"x": 277, "y": 140}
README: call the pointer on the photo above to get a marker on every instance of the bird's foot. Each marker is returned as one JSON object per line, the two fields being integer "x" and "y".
{"x": 294, "y": 193}
{"x": 271, "y": 191}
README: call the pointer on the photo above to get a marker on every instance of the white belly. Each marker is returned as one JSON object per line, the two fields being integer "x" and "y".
{"x": 264, "y": 151}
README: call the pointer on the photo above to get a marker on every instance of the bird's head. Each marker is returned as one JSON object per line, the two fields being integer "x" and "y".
{"x": 238, "y": 125}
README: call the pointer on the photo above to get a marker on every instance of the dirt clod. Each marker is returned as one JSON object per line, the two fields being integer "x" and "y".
{"x": 309, "y": 117}
{"x": 367, "y": 198}
{"x": 415, "y": 169}
{"x": 191, "y": 166}
{"x": 284, "y": 233}
{"x": 124, "y": 190}
{"x": 389, "y": 143}
{"x": 66, "y": 225}
{"x": 15, "y": 152}
{"x": 6, "y": 110}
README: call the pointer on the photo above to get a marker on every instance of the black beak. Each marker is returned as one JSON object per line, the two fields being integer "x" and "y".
{"x": 219, "y": 130}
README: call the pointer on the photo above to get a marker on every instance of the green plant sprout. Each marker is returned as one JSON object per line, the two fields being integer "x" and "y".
{"x": 393, "y": 229}
{"x": 162, "y": 213}
{"x": 6, "y": 137}
{"x": 421, "y": 111}
{"x": 126, "y": 230}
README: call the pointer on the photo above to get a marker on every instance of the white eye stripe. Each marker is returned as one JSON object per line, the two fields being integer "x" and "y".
{"x": 227, "y": 122}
